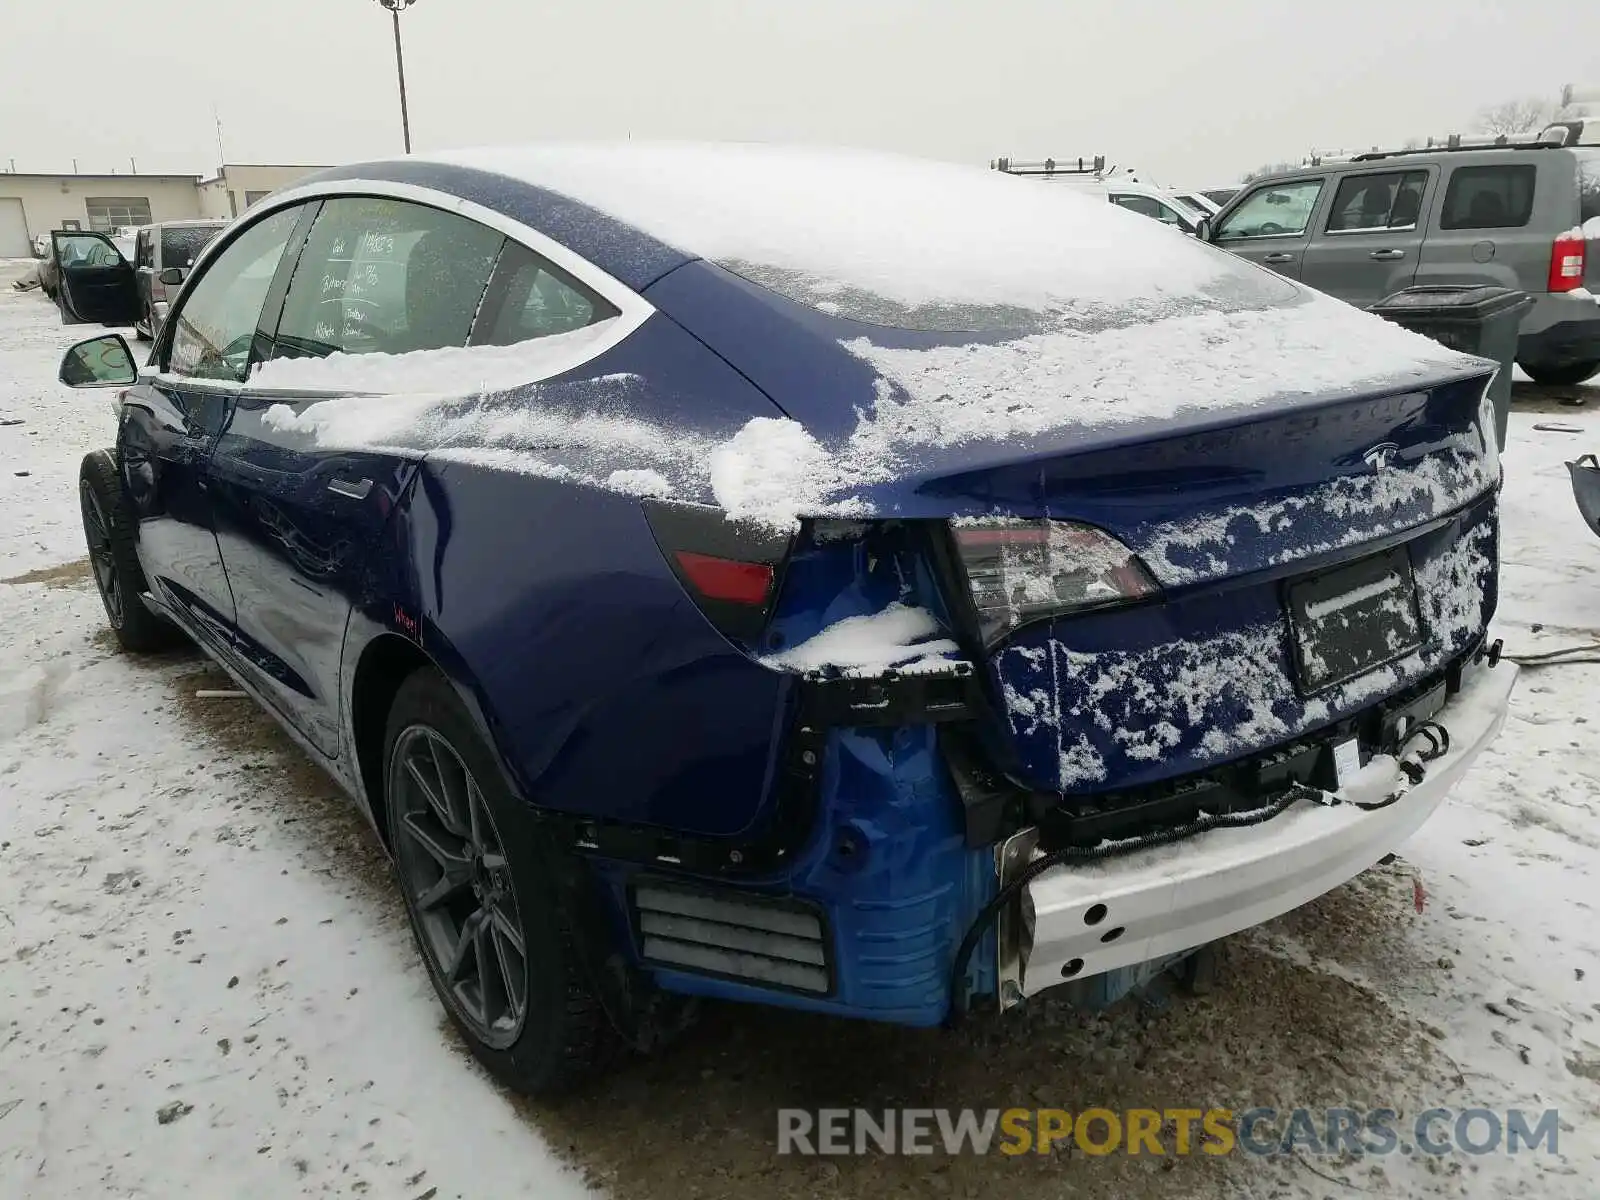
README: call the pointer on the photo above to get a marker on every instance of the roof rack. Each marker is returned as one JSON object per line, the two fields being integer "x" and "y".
{"x": 1094, "y": 165}
{"x": 1454, "y": 142}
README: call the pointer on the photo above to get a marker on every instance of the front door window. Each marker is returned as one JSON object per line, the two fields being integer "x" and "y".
{"x": 215, "y": 329}
{"x": 1273, "y": 210}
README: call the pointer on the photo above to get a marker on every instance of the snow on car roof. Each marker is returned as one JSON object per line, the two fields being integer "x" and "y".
{"x": 910, "y": 231}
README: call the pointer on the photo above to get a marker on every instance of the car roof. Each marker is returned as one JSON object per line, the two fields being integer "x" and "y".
{"x": 812, "y": 221}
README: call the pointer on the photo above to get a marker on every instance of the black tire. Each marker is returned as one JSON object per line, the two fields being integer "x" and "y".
{"x": 561, "y": 1036}
{"x": 108, "y": 529}
{"x": 1566, "y": 375}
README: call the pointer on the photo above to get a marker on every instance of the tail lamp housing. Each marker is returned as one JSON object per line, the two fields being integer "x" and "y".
{"x": 731, "y": 569}
{"x": 1021, "y": 571}
{"x": 1568, "y": 257}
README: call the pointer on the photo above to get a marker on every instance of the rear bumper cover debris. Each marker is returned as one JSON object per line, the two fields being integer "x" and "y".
{"x": 1079, "y": 920}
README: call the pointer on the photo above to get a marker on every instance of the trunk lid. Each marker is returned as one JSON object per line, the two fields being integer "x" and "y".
{"x": 1226, "y": 519}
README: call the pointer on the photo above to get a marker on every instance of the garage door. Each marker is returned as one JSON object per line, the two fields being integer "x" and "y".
{"x": 13, "y": 230}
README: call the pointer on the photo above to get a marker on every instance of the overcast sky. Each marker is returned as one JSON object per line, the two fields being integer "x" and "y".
{"x": 1192, "y": 92}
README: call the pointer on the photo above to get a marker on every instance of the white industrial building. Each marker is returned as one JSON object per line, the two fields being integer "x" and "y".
{"x": 31, "y": 205}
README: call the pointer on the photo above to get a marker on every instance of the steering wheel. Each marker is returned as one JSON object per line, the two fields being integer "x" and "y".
{"x": 1271, "y": 227}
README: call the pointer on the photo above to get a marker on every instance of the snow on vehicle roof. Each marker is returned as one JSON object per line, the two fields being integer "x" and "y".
{"x": 915, "y": 233}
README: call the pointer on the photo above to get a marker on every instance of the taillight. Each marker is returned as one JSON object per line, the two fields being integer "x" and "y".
{"x": 730, "y": 568}
{"x": 726, "y": 579}
{"x": 1567, "y": 261}
{"x": 1020, "y": 571}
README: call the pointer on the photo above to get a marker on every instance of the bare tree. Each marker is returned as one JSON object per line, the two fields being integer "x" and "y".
{"x": 1525, "y": 114}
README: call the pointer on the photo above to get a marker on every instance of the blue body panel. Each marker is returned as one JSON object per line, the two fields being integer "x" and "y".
{"x": 888, "y": 863}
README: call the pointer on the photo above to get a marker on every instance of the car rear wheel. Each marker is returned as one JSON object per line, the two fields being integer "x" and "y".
{"x": 108, "y": 530}
{"x": 1566, "y": 375}
{"x": 491, "y": 930}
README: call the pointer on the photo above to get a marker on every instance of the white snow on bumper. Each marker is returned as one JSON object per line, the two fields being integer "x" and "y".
{"x": 1176, "y": 897}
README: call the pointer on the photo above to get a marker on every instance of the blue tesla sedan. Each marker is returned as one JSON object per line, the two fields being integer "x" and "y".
{"x": 821, "y": 579}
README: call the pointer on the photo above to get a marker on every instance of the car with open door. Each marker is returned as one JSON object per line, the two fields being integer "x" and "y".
{"x": 872, "y": 587}
{"x": 94, "y": 282}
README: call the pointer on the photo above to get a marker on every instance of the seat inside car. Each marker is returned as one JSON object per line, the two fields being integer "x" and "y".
{"x": 441, "y": 285}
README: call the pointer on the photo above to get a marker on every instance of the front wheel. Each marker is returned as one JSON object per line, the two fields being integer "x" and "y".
{"x": 1566, "y": 375}
{"x": 491, "y": 930}
{"x": 108, "y": 530}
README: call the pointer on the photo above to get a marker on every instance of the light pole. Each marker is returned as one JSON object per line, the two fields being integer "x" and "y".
{"x": 395, "y": 8}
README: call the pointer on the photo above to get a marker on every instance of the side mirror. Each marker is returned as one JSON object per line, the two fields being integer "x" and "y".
{"x": 171, "y": 277}
{"x": 99, "y": 362}
{"x": 1203, "y": 230}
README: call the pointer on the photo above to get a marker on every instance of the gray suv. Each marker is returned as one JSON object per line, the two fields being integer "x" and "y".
{"x": 1363, "y": 228}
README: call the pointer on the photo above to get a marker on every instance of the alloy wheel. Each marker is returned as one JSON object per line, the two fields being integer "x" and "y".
{"x": 454, "y": 869}
{"x": 97, "y": 532}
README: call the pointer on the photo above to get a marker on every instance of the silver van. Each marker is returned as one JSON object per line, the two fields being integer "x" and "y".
{"x": 1523, "y": 216}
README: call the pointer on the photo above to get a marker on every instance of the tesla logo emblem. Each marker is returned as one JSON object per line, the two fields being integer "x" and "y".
{"x": 1381, "y": 457}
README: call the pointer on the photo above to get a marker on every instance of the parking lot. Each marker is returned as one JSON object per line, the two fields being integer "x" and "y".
{"x": 207, "y": 984}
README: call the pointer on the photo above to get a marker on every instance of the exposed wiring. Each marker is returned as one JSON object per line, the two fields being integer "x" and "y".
{"x": 1586, "y": 653}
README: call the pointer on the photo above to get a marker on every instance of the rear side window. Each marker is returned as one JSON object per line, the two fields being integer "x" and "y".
{"x": 1392, "y": 200}
{"x": 1489, "y": 197}
{"x": 386, "y": 277}
{"x": 1272, "y": 210}
{"x": 1588, "y": 187}
{"x": 532, "y": 298}
{"x": 181, "y": 244}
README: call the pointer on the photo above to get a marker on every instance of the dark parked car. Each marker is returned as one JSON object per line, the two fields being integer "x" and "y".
{"x": 821, "y": 580}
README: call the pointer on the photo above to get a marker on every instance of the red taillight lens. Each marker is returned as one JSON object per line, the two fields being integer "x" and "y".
{"x": 726, "y": 578}
{"x": 730, "y": 570}
{"x": 1019, "y": 571}
{"x": 1567, "y": 257}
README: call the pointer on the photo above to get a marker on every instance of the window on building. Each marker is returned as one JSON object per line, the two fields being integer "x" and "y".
{"x": 116, "y": 212}
{"x": 253, "y": 198}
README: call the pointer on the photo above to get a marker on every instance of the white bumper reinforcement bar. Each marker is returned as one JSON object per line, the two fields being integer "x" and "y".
{"x": 1083, "y": 919}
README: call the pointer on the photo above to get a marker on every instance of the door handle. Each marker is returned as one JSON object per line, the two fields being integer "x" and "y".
{"x": 354, "y": 489}
{"x": 1387, "y": 255}
{"x": 1278, "y": 258}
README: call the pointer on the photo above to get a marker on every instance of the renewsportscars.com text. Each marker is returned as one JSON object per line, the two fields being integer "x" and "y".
{"x": 1170, "y": 1131}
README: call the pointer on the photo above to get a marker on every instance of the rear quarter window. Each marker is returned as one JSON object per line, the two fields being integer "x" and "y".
{"x": 1588, "y": 187}
{"x": 181, "y": 245}
{"x": 1499, "y": 197}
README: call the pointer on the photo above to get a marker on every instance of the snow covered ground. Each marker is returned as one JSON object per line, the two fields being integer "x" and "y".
{"x": 207, "y": 987}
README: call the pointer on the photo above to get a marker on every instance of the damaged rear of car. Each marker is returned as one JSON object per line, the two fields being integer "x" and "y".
{"x": 874, "y": 587}
{"x": 1120, "y": 622}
